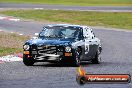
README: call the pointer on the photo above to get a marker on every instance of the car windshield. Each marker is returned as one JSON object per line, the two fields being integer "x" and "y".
{"x": 60, "y": 32}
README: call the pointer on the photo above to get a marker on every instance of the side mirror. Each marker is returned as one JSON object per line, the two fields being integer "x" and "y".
{"x": 36, "y": 34}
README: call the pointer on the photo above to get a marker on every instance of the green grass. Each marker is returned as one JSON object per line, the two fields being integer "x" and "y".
{"x": 6, "y": 51}
{"x": 77, "y": 2}
{"x": 107, "y": 19}
{"x": 11, "y": 43}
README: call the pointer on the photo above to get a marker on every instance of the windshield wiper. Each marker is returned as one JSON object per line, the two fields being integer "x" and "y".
{"x": 54, "y": 36}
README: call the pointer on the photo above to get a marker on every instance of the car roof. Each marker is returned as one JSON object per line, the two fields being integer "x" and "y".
{"x": 66, "y": 25}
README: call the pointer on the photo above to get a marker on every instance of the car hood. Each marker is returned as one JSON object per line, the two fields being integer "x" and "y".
{"x": 50, "y": 41}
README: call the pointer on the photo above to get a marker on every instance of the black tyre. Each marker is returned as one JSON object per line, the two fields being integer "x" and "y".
{"x": 28, "y": 61}
{"x": 97, "y": 58}
{"x": 77, "y": 61}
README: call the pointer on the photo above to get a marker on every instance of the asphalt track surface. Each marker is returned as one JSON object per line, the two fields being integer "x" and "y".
{"x": 116, "y": 59}
{"x": 62, "y": 7}
{"x": 116, "y": 56}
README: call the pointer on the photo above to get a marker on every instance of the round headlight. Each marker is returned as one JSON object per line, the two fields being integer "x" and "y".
{"x": 68, "y": 49}
{"x": 26, "y": 47}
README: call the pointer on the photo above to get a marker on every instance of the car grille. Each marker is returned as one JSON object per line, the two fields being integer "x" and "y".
{"x": 47, "y": 49}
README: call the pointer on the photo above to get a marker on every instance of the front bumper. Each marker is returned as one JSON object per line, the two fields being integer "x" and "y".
{"x": 48, "y": 57}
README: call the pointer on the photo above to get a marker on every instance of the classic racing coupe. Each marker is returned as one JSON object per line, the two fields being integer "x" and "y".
{"x": 63, "y": 43}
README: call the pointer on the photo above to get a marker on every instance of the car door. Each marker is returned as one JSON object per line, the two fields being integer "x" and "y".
{"x": 90, "y": 44}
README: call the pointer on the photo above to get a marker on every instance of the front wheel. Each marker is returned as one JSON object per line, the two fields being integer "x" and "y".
{"x": 77, "y": 61}
{"x": 28, "y": 61}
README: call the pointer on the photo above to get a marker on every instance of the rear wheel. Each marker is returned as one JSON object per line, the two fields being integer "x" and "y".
{"x": 97, "y": 58}
{"x": 28, "y": 61}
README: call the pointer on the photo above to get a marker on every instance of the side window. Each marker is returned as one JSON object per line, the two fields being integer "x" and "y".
{"x": 88, "y": 33}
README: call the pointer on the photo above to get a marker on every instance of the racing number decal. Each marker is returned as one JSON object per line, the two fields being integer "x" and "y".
{"x": 86, "y": 48}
